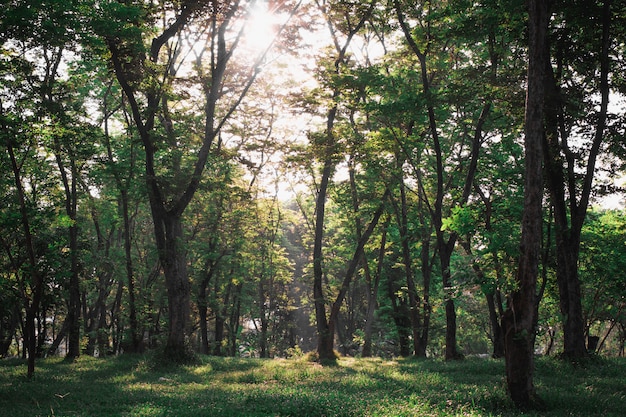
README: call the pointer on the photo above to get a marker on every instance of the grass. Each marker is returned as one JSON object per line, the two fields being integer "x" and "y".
{"x": 131, "y": 386}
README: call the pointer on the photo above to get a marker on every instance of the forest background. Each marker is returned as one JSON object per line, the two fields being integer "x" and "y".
{"x": 263, "y": 179}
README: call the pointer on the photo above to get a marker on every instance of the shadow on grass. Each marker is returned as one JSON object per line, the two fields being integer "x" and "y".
{"x": 130, "y": 386}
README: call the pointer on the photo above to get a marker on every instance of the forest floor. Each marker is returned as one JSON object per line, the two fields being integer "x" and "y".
{"x": 130, "y": 386}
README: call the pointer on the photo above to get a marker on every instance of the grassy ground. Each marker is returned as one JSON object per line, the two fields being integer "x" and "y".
{"x": 130, "y": 386}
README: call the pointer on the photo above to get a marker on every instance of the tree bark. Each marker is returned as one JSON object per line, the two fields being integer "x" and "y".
{"x": 373, "y": 293}
{"x": 520, "y": 317}
{"x": 414, "y": 301}
{"x": 33, "y": 304}
{"x": 568, "y": 225}
{"x": 174, "y": 263}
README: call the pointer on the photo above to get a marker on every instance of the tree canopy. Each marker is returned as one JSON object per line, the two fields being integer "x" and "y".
{"x": 268, "y": 178}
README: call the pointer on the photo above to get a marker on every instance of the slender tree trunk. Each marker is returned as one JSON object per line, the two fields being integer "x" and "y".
{"x": 235, "y": 315}
{"x": 8, "y": 331}
{"x": 520, "y": 317}
{"x": 174, "y": 264}
{"x": 401, "y": 320}
{"x": 220, "y": 319}
{"x": 324, "y": 334}
{"x": 426, "y": 308}
{"x": 203, "y": 305}
{"x": 407, "y": 259}
{"x": 74, "y": 304}
{"x": 32, "y": 305}
{"x": 325, "y": 327}
{"x": 263, "y": 351}
{"x": 496, "y": 328}
{"x": 567, "y": 235}
{"x": 219, "y": 335}
{"x": 202, "y": 316}
{"x": 373, "y": 294}
{"x": 136, "y": 343}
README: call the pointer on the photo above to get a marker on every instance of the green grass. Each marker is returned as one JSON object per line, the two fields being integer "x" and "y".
{"x": 130, "y": 386}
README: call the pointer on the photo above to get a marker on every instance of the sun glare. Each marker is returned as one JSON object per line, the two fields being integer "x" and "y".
{"x": 261, "y": 28}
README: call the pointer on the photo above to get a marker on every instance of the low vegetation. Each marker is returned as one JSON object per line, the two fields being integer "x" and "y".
{"x": 131, "y": 385}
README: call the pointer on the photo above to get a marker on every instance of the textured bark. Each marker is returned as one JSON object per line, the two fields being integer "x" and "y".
{"x": 520, "y": 317}
{"x": 174, "y": 263}
{"x": 570, "y": 211}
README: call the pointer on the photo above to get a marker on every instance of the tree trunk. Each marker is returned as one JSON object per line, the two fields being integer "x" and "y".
{"x": 203, "y": 306}
{"x": 426, "y": 308}
{"x": 8, "y": 327}
{"x": 263, "y": 351}
{"x": 136, "y": 342}
{"x": 73, "y": 287}
{"x": 496, "y": 328}
{"x": 174, "y": 264}
{"x": 235, "y": 315}
{"x": 452, "y": 353}
{"x": 400, "y": 315}
{"x": 407, "y": 260}
{"x": 32, "y": 303}
{"x": 373, "y": 294}
{"x": 219, "y": 335}
{"x": 569, "y": 225}
{"x": 325, "y": 333}
{"x": 567, "y": 237}
{"x": 520, "y": 317}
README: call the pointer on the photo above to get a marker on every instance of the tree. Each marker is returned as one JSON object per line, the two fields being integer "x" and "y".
{"x": 175, "y": 161}
{"x": 566, "y": 123}
{"x": 444, "y": 117}
{"x": 328, "y": 147}
{"x": 521, "y": 315}
{"x": 37, "y": 89}
{"x": 602, "y": 263}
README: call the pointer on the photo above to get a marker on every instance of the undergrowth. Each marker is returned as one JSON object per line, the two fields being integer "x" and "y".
{"x": 131, "y": 385}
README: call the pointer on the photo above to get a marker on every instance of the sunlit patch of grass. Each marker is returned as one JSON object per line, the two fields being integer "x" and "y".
{"x": 132, "y": 386}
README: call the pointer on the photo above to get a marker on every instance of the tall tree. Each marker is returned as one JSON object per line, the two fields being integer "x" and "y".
{"x": 448, "y": 192}
{"x": 176, "y": 152}
{"x": 566, "y": 123}
{"x": 41, "y": 35}
{"x": 521, "y": 315}
{"x": 328, "y": 144}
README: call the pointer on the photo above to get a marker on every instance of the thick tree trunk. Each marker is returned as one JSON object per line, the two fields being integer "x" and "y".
{"x": 569, "y": 225}
{"x": 520, "y": 317}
